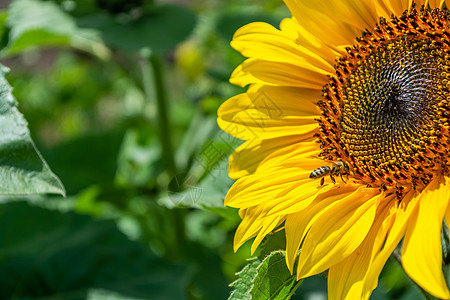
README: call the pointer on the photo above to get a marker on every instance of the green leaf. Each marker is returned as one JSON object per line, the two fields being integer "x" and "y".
{"x": 100, "y": 294}
{"x": 22, "y": 169}
{"x": 266, "y": 279}
{"x": 244, "y": 283}
{"x": 42, "y": 23}
{"x": 51, "y": 255}
{"x": 161, "y": 28}
{"x": 274, "y": 281}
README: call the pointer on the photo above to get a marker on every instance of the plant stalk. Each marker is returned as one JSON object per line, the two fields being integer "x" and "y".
{"x": 165, "y": 134}
{"x": 162, "y": 114}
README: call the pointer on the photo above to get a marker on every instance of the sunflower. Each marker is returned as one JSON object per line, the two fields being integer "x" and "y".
{"x": 356, "y": 93}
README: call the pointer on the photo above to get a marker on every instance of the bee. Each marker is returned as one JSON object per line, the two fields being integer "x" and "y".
{"x": 338, "y": 168}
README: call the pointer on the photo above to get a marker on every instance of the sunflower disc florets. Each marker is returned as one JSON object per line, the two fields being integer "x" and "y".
{"x": 385, "y": 111}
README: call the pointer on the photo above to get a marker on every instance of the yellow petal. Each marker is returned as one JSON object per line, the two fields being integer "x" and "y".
{"x": 251, "y": 223}
{"x": 246, "y": 158}
{"x": 435, "y": 3}
{"x": 295, "y": 31}
{"x": 249, "y": 191}
{"x": 447, "y": 216}
{"x": 309, "y": 191}
{"x": 357, "y": 276}
{"x": 255, "y": 223}
{"x": 324, "y": 19}
{"x": 337, "y": 232}
{"x": 361, "y": 14}
{"x": 262, "y": 118}
{"x": 241, "y": 78}
{"x": 358, "y": 14}
{"x": 265, "y": 42}
{"x": 301, "y": 155}
{"x": 396, "y": 7}
{"x": 279, "y": 74}
{"x": 352, "y": 278}
{"x": 288, "y": 171}
{"x": 285, "y": 101}
{"x": 422, "y": 252}
{"x": 290, "y": 184}
{"x": 270, "y": 223}
{"x": 313, "y": 188}
{"x": 298, "y": 224}
{"x": 403, "y": 211}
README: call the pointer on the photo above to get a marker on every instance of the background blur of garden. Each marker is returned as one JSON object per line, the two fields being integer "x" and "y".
{"x": 121, "y": 99}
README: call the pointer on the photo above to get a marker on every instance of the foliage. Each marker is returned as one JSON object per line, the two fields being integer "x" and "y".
{"x": 266, "y": 276}
{"x": 120, "y": 98}
{"x": 22, "y": 170}
{"x": 45, "y": 250}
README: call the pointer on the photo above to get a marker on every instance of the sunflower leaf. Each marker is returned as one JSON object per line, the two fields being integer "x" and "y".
{"x": 32, "y": 24}
{"x": 268, "y": 278}
{"x": 244, "y": 283}
{"x": 22, "y": 169}
{"x": 154, "y": 28}
{"x": 46, "y": 254}
{"x": 274, "y": 281}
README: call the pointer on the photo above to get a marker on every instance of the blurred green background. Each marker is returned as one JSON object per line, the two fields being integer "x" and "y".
{"x": 121, "y": 100}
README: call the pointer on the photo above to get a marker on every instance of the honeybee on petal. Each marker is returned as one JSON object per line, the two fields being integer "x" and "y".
{"x": 338, "y": 168}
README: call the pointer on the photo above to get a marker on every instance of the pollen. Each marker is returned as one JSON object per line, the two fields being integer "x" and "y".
{"x": 385, "y": 110}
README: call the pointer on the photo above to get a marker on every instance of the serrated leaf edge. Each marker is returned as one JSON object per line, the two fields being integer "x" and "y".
{"x": 233, "y": 284}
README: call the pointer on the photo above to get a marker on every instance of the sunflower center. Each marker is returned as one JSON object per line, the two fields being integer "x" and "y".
{"x": 385, "y": 112}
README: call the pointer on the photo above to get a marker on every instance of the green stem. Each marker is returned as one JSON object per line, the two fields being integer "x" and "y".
{"x": 294, "y": 289}
{"x": 162, "y": 114}
{"x": 175, "y": 250}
